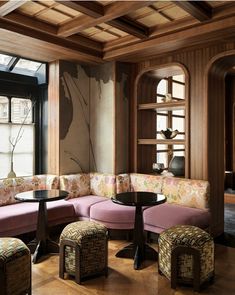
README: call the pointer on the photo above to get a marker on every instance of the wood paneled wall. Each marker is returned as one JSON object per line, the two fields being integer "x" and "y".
{"x": 230, "y": 122}
{"x": 146, "y": 123}
{"x": 206, "y": 136}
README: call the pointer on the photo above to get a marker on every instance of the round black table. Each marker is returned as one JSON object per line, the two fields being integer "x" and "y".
{"x": 138, "y": 250}
{"x": 42, "y": 244}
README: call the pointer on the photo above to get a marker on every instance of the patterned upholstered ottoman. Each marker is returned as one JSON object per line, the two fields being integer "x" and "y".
{"x": 84, "y": 250}
{"x": 15, "y": 267}
{"x": 186, "y": 254}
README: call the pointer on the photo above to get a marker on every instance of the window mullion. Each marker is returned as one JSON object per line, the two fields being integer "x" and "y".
{"x": 9, "y": 110}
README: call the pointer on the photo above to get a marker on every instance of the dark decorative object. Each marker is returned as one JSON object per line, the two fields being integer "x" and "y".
{"x": 177, "y": 166}
{"x": 158, "y": 167}
{"x": 169, "y": 133}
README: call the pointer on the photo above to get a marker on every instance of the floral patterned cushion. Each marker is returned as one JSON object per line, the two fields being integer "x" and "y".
{"x": 146, "y": 183}
{"x": 7, "y": 191}
{"x": 28, "y": 183}
{"x": 122, "y": 183}
{"x": 103, "y": 184}
{"x": 76, "y": 184}
{"x": 186, "y": 192}
{"x": 9, "y": 187}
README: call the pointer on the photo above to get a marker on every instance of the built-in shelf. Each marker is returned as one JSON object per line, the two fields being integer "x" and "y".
{"x": 160, "y": 141}
{"x": 163, "y": 106}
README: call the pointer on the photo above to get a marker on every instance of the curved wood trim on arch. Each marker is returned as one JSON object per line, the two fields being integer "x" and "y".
{"x": 214, "y": 106}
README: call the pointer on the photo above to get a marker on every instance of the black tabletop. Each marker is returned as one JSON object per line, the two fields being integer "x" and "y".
{"x": 41, "y": 195}
{"x": 139, "y": 199}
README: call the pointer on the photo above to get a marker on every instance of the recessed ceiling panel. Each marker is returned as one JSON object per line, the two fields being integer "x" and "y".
{"x": 53, "y": 17}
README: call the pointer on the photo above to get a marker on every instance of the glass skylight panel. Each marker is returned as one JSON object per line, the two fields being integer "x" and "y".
{"x": 27, "y": 65}
{"x": 5, "y": 59}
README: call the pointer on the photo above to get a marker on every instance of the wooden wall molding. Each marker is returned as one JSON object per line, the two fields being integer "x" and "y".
{"x": 214, "y": 104}
{"x": 54, "y": 119}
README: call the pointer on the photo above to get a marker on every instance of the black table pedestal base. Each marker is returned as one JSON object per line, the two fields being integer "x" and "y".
{"x": 134, "y": 252}
{"x": 40, "y": 248}
{"x": 138, "y": 250}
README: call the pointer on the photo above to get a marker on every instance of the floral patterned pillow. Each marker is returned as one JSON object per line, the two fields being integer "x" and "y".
{"x": 186, "y": 192}
{"x": 76, "y": 184}
{"x": 7, "y": 192}
{"x": 146, "y": 183}
{"x": 28, "y": 183}
{"x": 103, "y": 184}
{"x": 9, "y": 187}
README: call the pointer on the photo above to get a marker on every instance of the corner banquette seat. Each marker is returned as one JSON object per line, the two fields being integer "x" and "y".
{"x": 89, "y": 199}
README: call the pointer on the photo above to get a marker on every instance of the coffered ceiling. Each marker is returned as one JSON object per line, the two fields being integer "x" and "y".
{"x": 95, "y": 31}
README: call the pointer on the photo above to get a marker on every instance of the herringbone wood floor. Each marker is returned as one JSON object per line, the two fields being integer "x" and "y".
{"x": 124, "y": 280}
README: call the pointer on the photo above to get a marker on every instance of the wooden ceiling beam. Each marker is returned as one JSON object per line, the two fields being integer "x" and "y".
{"x": 11, "y": 5}
{"x": 198, "y": 9}
{"x": 96, "y": 10}
{"x": 170, "y": 41}
{"x": 154, "y": 32}
{"x": 111, "y": 12}
{"x": 41, "y": 26}
{"x": 88, "y": 53}
{"x": 127, "y": 25}
{"x": 3, "y": 3}
{"x": 39, "y": 50}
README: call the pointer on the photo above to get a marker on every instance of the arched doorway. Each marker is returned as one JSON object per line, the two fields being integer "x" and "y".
{"x": 218, "y": 68}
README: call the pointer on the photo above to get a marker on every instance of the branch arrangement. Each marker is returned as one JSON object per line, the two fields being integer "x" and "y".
{"x": 14, "y": 140}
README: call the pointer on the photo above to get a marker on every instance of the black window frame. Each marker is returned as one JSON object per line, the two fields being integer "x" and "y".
{"x": 22, "y": 86}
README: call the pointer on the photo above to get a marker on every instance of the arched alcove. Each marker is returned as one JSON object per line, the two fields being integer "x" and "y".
{"x": 215, "y": 93}
{"x": 148, "y": 105}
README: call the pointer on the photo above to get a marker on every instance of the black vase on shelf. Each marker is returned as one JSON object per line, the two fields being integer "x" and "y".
{"x": 169, "y": 133}
{"x": 177, "y": 166}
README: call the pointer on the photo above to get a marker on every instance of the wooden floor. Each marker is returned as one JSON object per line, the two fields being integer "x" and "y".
{"x": 124, "y": 280}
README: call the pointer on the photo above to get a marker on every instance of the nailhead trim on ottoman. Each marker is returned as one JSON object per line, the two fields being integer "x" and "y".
{"x": 84, "y": 250}
{"x": 15, "y": 267}
{"x": 186, "y": 254}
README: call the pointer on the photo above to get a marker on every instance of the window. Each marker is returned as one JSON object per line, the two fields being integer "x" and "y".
{"x": 18, "y": 65}
{"x": 16, "y": 128}
{"x": 175, "y": 119}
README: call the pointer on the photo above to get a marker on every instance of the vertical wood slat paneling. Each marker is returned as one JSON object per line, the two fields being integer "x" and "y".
{"x": 229, "y": 125}
{"x": 123, "y": 96}
{"x": 233, "y": 121}
{"x": 53, "y": 119}
{"x": 205, "y": 147}
{"x": 146, "y": 123}
{"x": 216, "y": 144}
